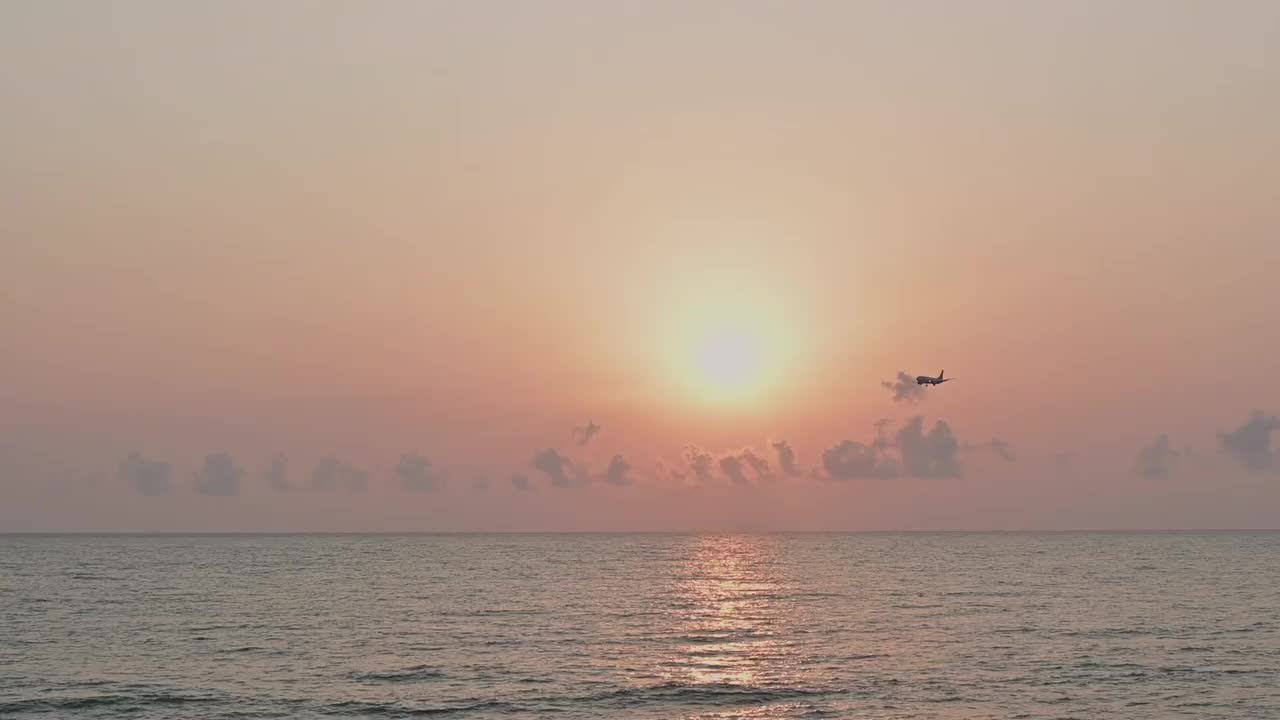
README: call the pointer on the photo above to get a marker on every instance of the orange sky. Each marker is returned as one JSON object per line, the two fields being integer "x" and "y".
{"x": 459, "y": 230}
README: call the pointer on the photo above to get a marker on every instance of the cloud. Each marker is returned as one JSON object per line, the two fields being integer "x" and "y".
{"x": 787, "y": 458}
{"x": 701, "y": 463}
{"x": 1155, "y": 460}
{"x": 1250, "y": 444}
{"x": 417, "y": 474}
{"x": 734, "y": 469}
{"x": 882, "y": 440}
{"x": 220, "y": 476}
{"x": 277, "y": 475}
{"x": 932, "y": 454}
{"x": 520, "y": 482}
{"x": 851, "y": 460}
{"x": 739, "y": 466}
{"x": 757, "y": 463}
{"x": 676, "y": 474}
{"x": 148, "y": 477}
{"x": 584, "y": 434}
{"x": 735, "y": 466}
{"x": 617, "y": 474}
{"x": 558, "y": 468}
{"x": 334, "y": 474}
{"x": 929, "y": 455}
{"x": 904, "y": 388}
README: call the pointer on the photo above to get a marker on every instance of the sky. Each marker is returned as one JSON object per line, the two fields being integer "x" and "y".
{"x": 313, "y": 266}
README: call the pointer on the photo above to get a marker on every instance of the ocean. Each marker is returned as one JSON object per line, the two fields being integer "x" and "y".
{"x": 883, "y": 625}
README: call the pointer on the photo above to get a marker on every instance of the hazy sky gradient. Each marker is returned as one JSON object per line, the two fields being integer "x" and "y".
{"x": 458, "y": 230}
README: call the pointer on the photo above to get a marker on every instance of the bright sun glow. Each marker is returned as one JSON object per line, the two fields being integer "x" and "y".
{"x": 726, "y": 352}
{"x": 728, "y": 361}
{"x": 729, "y": 329}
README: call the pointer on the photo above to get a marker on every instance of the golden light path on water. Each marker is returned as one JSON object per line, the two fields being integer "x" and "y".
{"x": 732, "y": 620}
{"x": 743, "y": 623}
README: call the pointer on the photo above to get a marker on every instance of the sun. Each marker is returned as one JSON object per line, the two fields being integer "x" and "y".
{"x": 725, "y": 353}
{"x": 728, "y": 361}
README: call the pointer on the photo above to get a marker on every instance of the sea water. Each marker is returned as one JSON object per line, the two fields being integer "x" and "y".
{"x": 910, "y": 625}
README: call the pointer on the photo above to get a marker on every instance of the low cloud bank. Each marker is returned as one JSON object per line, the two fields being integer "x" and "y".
{"x": 1250, "y": 444}
{"x": 417, "y": 474}
{"x": 1156, "y": 459}
{"x": 220, "y": 476}
{"x": 912, "y": 451}
{"x": 334, "y": 474}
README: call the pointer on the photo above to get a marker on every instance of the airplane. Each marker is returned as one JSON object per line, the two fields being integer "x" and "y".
{"x": 926, "y": 380}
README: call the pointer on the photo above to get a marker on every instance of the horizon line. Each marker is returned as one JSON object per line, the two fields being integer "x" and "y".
{"x": 404, "y": 533}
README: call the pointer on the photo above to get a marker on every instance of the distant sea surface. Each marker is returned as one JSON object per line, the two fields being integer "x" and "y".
{"x": 946, "y": 625}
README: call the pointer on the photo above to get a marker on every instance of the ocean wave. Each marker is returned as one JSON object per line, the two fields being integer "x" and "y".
{"x": 723, "y": 637}
{"x": 102, "y": 702}
{"x": 364, "y": 709}
{"x": 493, "y": 612}
{"x": 718, "y": 694}
{"x": 409, "y": 674}
{"x": 1107, "y": 633}
{"x": 82, "y": 575}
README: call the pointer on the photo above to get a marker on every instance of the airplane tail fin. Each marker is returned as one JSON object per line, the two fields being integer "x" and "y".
{"x": 944, "y": 372}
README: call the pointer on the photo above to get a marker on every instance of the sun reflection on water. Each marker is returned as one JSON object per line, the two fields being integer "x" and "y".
{"x": 730, "y": 620}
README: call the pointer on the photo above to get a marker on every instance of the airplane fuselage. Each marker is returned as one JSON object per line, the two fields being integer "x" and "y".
{"x": 927, "y": 380}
